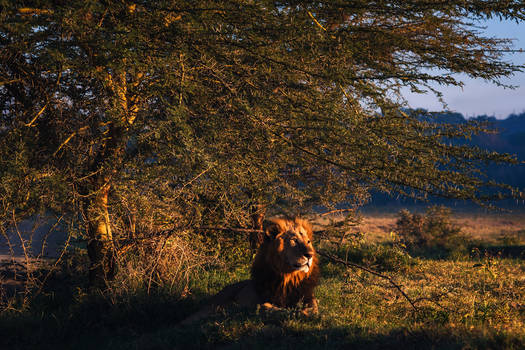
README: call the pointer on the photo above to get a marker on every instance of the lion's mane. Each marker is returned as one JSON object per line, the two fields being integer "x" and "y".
{"x": 275, "y": 284}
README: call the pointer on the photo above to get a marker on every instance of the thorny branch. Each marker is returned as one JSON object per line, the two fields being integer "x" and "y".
{"x": 333, "y": 259}
{"x": 373, "y": 272}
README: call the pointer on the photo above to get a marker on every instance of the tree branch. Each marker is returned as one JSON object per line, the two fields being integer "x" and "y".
{"x": 331, "y": 258}
{"x": 373, "y": 272}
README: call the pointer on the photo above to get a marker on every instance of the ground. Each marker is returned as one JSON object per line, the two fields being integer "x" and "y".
{"x": 487, "y": 226}
{"x": 472, "y": 300}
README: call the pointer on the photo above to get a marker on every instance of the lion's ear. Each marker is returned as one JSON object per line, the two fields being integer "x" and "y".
{"x": 271, "y": 229}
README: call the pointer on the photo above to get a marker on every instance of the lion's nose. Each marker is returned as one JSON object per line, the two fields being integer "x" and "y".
{"x": 308, "y": 255}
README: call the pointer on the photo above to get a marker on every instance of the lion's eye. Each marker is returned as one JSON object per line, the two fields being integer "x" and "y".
{"x": 293, "y": 242}
{"x": 308, "y": 241}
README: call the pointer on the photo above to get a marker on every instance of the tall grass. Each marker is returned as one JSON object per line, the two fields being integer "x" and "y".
{"x": 469, "y": 303}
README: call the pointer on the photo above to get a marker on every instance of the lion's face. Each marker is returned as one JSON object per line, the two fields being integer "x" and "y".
{"x": 292, "y": 243}
{"x": 298, "y": 250}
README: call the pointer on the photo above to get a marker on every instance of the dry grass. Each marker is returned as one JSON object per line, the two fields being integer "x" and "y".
{"x": 488, "y": 227}
{"x": 159, "y": 264}
{"x": 471, "y": 303}
{"x": 491, "y": 226}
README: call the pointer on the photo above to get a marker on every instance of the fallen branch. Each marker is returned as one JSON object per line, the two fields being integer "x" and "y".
{"x": 373, "y": 272}
{"x": 214, "y": 228}
{"x": 245, "y": 230}
{"x": 433, "y": 300}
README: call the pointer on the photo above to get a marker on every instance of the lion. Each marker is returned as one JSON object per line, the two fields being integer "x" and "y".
{"x": 284, "y": 272}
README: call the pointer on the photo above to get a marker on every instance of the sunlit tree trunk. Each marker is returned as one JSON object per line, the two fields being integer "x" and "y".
{"x": 100, "y": 238}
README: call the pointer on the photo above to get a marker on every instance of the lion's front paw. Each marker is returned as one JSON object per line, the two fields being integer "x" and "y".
{"x": 270, "y": 307}
{"x": 311, "y": 308}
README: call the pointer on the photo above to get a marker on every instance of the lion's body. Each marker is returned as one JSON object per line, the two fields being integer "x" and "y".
{"x": 273, "y": 281}
{"x": 284, "y": 272}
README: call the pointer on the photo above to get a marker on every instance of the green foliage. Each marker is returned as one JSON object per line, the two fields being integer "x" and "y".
{"x": 379, "y": 257}
{"x": 222, "y": 105}
{"x": 141, "y": 119}
{"x": 434, "y": 232}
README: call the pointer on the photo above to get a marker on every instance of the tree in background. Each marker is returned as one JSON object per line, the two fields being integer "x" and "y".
{"x": 215, "y": 111}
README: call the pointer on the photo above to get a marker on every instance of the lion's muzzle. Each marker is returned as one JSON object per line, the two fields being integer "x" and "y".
{"x": 304, "y": 263}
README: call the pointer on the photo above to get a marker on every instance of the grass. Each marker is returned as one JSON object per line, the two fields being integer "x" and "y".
{"x": 475, "y": 302}
{"x": 488, "y": 227}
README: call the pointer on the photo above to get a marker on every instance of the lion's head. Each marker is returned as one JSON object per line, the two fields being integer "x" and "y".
{"x": 284, "y": 271}
{"x": 289, "y": 245}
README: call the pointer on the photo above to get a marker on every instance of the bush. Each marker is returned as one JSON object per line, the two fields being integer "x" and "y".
{"x": 162, "y": 265}
{"x": 432, "y": 232}
{"x": 376, "y": 256}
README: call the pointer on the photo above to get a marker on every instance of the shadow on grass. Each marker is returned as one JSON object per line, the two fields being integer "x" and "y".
{"x": 91, "y": 322}
{"x": 246, "y": 331}
{"x": 56, "y": 321}
{"x": 504, "y": 251}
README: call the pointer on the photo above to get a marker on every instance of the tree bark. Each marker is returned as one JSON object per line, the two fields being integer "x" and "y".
{"x": 100, "y": 239}
{"x": 257, "y": 216}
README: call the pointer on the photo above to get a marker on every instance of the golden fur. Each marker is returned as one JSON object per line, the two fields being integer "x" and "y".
{"x": 284, "y": 272}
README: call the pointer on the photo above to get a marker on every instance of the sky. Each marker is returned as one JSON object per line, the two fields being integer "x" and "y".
{"x": 478, "y": 97}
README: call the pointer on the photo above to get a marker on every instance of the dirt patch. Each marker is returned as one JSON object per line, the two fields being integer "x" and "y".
{"x": 486, "y": 227}
{"x": 42, "y": 236}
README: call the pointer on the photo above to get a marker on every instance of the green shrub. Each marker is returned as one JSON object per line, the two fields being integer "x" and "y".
{"x": 377, "y": 256}
{"x": 432, "y": 233}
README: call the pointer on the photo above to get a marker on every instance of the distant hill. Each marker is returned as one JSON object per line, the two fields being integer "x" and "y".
{"x": 510, "y": 139}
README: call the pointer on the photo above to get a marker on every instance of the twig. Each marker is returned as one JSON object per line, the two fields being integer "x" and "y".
{"x": 34, "y": 11}
{"x": 29, "y": 274}
{"x": 215, "y": 228}
{"x": 181, "y": 78}
{"x": 69, "y": 138}
{"x": 9, "y": 244}
{"x": 337, "y": 211}
{"x": 12, "y": 263}
{"x": 375, "y": 273}
{"x": 154, "y": 267}
{"x": 195, "y": 178}
{"x": 64, "y": 250}
{"x": 7, "y": 82}
{"x": 46, "y": 236}
{"x": 248, "y": 230}
{"x": 433, "y": 300}
{"x": 37, "y": 115}
{"x": 316, "y": 21}
{"x": 102, "y": 18}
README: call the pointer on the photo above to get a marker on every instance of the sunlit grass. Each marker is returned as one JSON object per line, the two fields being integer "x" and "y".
{"x": 474, "y": 301}
{"x": 461, "y": 304}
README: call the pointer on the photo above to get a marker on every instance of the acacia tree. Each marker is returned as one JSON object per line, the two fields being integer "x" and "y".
{"x": 213, "y": 108}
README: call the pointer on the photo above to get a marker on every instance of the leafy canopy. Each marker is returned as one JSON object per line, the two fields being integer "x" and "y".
{"x": 205, "y": 108}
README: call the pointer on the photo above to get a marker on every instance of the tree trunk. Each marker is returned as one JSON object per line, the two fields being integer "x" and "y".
{"x": 256, "y": 238}
{"x": 100, "y": 239}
